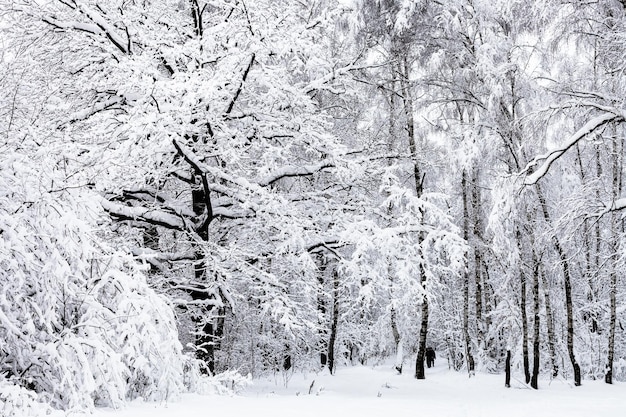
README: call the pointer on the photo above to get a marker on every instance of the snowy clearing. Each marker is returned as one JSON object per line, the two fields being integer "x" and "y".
{"x": 379, "y": 391}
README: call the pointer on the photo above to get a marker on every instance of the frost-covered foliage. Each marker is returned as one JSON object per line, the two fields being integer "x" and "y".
{"x": 79, "y": 326}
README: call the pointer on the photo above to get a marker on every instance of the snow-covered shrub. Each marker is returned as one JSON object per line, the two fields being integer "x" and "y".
{"x": 224, "y": 383}
{"x": 79, "y": 325}
{"x": 16, "y": 401}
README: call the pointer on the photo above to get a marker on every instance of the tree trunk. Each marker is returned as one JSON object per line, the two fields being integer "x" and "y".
{"x": 608, "y": 377}
{"x": 333, "y": 325}
{"x": 397, "y": 337}
{"x": 507, "y": 369}
{"x": 615, "y": 226}
{"x": 468, "y": 343}
{"x": 549, "y": 325}
{"x": 206, "y": 338}
{"x": 321, "y": 311}
{"x": 398, "y": 341}
{"x": 404, "y": 70}
{"x": 535, "y": 376}
{"x": 567, "y": 284}
{"x": 421, "y": 349}
{"x": 477, "y": 233}
{"x": 524, "y": 327}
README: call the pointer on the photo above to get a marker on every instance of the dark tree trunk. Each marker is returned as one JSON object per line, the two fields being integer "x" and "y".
{"x": 333, "y": 324}
{"x": 477, "y": 233}
{"x": 209, "y": 331}
{"x": 468, "y": 342}
{"x": 421, "y": 349}
{"x": 507, "y": 369}
{"x": 535, "y": 377}
{"x": 524, "y": 316}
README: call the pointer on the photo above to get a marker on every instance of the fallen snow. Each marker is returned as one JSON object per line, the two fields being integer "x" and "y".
{"x": 378, "y": 391}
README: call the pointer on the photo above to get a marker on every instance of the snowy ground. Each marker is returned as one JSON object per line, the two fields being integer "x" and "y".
{"x": 379, "y": 391}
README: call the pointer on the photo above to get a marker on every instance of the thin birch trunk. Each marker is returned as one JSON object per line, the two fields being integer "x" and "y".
{"x": 615, "y": 222}
{"x": 468, "y": 343}
{"x": 536, "y": 322}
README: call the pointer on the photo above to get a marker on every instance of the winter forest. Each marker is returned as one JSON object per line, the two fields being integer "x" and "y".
{"x": 215, "y": 190}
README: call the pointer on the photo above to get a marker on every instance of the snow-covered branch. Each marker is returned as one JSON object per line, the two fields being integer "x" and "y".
{"x": 295, "y": 171}
{"x": 98, "y": 25}
{"x": 79, "y": 26}
{"x": 538, "y": 167}
{"x": 615, "y": 205}
{"x": 149, "y": 215}
{"x": 96, "y": 108}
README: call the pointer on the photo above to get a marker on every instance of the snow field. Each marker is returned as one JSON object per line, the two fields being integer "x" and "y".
{"x": 378, "y": 391}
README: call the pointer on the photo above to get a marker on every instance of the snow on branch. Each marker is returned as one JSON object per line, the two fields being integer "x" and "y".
{"x": 538, "y": 167}
{"x": 323, "y": 83}
{"x": 80, "y": 26}
{"x": 149, "y": 254}
{"x": 193, "y": 160}
{"x": 283, "y": 172}
{"x": 148, "y": 215}
{"x": 615, "y": 205}
{"x": 619, "y": 204}
{"x": 108, "y": 29}
{"x": 295, "y": 171}
{"x": 96, "y": 108}
{"x": 99, "y": 25}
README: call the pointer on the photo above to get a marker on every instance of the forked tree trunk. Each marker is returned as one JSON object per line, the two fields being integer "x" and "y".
{"x": 206, "y": 338}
